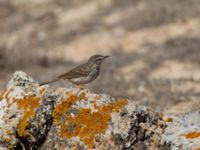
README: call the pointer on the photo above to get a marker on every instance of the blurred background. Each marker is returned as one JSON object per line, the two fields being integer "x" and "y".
{"x": 154, "y": 46}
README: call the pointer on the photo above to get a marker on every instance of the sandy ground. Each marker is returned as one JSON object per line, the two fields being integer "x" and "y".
{"x": 154, "y": 46}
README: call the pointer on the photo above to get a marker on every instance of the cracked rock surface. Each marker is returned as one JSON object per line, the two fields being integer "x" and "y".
{"x": 183, "y": 132}
{"x": 42, "y": 117}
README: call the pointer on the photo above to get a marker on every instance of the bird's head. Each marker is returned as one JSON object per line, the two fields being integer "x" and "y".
{"x": 97, "y": 59}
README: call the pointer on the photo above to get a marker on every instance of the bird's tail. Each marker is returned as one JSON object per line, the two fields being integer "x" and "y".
{"x": 49, "y": 82}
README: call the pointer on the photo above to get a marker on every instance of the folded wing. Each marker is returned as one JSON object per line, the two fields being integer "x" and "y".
{"x": 80, "y": 71}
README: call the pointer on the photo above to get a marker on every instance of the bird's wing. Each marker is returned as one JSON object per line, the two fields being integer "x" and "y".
{"x": 80, "y": 71}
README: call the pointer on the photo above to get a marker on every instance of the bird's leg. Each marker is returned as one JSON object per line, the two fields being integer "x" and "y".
{"x": 79, "y": 86}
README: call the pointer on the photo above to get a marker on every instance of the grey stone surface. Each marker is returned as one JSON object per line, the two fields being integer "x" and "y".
{"x": 67, "y": 118}
{"x": 183, "y": 133}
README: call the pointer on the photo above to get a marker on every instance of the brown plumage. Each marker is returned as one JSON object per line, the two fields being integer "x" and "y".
{"x": 84, "y": 73}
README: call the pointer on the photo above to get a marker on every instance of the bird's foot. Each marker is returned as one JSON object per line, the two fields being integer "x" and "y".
{"x": 79, "y": 86}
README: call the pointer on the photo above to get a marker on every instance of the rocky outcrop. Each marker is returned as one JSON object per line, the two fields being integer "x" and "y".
{"x": 41, "y": 117}
{"x": 183, "y": 132}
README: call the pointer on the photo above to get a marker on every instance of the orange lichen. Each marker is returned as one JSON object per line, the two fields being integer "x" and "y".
{"x": 42, "y": 91}
{"x": 8, "y": 132}
{"x": 63, "y": 107}
{"x": 191, "y": 135}
{"x": 169, "y": 119}
{"x": 8, "y": 140}
{"x": 82, "y": 96}
{"x": 87, "y": 124}
{"x": 5, "y": 93}
{"x": 1, "y": 94}
{"x": 97, "y": 97}
{"x": 113, "y": 107}
{"x": 29, "y": 105}
{"x": 161, "y": 115}
{"x": 1, "y": 97}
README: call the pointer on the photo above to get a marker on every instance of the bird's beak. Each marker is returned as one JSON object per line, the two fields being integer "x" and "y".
{"x": 106, "y": 57}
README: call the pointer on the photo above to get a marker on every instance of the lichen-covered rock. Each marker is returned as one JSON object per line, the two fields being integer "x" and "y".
{"x": 71, "y": 118}
{"x": 183, "y": 133}
{"x": 25, "y": 113}
{"x": 111, "y": 124}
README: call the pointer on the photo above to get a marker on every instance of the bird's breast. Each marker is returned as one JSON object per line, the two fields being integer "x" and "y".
{"x": 87, "y": 79}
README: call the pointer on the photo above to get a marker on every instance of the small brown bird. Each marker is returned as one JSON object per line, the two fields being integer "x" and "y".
{"x": 84, "y": 73}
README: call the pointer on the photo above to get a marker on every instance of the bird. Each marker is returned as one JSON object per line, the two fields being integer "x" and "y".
{"x": 82, "y": 74}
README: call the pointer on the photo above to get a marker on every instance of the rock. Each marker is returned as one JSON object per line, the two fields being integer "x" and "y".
{"x": 71, "y": 118}
{"x": 26, "y": 113}
{"x": 183, "y": 133}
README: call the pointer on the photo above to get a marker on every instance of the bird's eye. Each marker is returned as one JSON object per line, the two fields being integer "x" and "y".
{"x": 99, "y": 60}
